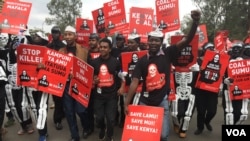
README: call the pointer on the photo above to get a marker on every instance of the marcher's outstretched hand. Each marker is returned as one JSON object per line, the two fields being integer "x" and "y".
{"x": 196, "y": 15}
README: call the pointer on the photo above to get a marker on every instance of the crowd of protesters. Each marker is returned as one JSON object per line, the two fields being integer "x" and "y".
{"x": 108, "y": 104}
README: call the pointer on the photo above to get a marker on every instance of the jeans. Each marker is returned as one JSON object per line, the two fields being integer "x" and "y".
{"x": 166, "y": 120}
{"x": 105, "y": 109}
{"x": 71, "y": 108}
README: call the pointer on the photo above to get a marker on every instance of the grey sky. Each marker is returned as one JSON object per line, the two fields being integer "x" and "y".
{"x": 39, "y": 9}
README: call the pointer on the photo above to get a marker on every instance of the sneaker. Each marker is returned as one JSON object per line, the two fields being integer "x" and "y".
{"x": 52, "y": 106}
{"x": 87, "y": 133}
{"x": 102, "y": 134}
{"x": 30, "y": 129}
{"x": 59, "y": 126}
{"x": 9, "y": 123}
{"x": 182, "y": 135}
{"x": 21, "y": 131}
{"x": 209, "y": 127}
{"x": 42, "y": 138}
{"x": 198, "y": 132}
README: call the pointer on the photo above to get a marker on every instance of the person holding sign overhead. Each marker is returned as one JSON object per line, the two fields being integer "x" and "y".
{"x": 158, "y": 93}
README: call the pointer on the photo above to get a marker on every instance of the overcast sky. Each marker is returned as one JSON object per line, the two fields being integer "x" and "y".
{"x": 39, "y": 9}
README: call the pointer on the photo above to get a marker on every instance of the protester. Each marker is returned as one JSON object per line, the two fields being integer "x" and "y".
{"x": 106, "y": 68}
{"x": 39, "y": 99}
{"x": 205, "y": 101}
{"x": 157, "y": 94}
{"x": 71, "y": 106}
{"x": 57, "y": 45}
{"x": 89, "y": 113}
{"x": 133, "y": 46}
{"x": 235, "y": 111}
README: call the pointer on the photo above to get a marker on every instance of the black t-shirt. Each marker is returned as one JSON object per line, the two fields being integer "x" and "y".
{"x": 154, "y": 95}
{"x": 113, "y": 66}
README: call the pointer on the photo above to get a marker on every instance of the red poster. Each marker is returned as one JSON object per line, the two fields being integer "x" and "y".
{"x": 212, "y": 71}
{"x": 220, "y": 40}
{"x": 99, "y": 20}
{"x": 28, "y": 57}
{"x": 129, "y": 60}
{"x": 167, "y": 14}
{"x": 239, "y": 72}
{"x": 53, "y": 78}
{"x": 143, "y": 123}
{"x": 172, "y": 92}
{"x": 14, "y": 16}
{"x": 81, "y": 83}
{"x": 188, "y": 54}
{"x": 115, "y": 16}
{"x": 141, "y": 20}
{"x": 202, "y": 32}
{"x": 83, "y": 27}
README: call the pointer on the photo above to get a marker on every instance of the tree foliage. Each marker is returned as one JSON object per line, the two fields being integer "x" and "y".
{"x": 63, "y": 12}
{"x": 231, "y": 15}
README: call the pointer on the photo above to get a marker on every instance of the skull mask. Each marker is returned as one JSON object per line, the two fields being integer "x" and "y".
{"x": 4, "y": 37}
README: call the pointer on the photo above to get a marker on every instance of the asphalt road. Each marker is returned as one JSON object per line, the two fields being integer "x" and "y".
{"x": 64, "y": 134}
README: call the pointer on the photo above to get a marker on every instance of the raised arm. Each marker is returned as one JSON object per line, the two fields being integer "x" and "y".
{"x": 195, "y": 15}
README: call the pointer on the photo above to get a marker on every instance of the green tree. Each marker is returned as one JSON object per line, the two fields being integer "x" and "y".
{"x": 231, "y": 15}
{"x": 63, "y": 12}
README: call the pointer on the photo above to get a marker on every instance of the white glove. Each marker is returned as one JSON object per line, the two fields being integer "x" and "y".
{"x": 122, "y": 75}
{"x": 195, "y": 67}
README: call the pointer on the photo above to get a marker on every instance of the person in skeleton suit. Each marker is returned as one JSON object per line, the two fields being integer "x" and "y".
{"x": 182, "y": 107}
{"x": 3, "y": 81}
{"x": 16, "y": 98}
{"x": 205, "y": 101}
{"x": 38, "y": 99}
{"x": 235, "y": 111}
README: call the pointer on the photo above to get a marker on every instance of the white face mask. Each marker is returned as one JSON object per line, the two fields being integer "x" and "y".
{"x": 3, "y": 39}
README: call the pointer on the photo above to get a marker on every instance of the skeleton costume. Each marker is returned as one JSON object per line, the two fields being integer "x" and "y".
{"x": 16, "y": 98}
{"x": 3, "y": 80}
{"x": 235, "y": 111}
{"x": 182, "y": 107}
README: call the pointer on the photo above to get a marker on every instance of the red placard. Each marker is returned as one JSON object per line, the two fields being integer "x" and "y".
{"x": 99, "y": 20}
{"x": 172, "y": 93}
{"x": 141, "y": 20}
{"x": 202, "y": 32}
{"x": 53, "y": 78}
{"x": 128, "y": 64}
{"x": 115, "y": 16}
{"x": 28, "y": 57}
{"x": 14, "y": 16}
{"x": 188, "y": 54}
{"x": 239, "y": 72}
{"x": 83, "y": 27}
{"x": 212, "y": 71}
{"x": 167, "y": 13}
{"x": 143, "y": 123}
{"x": 81, "y": 83}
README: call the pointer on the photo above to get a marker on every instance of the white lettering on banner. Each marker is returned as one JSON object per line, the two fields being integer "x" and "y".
{"x": 30, "y": 59}
{"x": 114, "y": 12}
{"x": 236, "y": 65}
{"x": 28, "y": 51}
{"x": 82, "y": 65}
{"x": 83, "y": 34}
{"x": 81, "y": 77}
{"x": 154, "y": 116}
{"x": 59, "y": 55}
{"x": 166, "y": 6}
{"x": 15, "y": 7}
{"x": 132, "y": 127}
{"x": 114, "y": 2}
{"x": 160, "y": 2}
{"x": 236, "y": 132}
{"x": 241, "y": 71}
{"x": 148, "y": 129}
{"x": 136, "y": 114}
{"x": 135, "y": 120}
